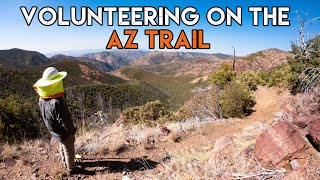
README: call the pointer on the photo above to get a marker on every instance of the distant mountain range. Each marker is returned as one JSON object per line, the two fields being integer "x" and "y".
{"x": 117, "y": 58}
{"x": 166, "y": 63}
{"x": 97, "y": 64}
{"x": 121, "y": 58}
{"x": 106, "y": 60}
{"x": 158, "y": 75}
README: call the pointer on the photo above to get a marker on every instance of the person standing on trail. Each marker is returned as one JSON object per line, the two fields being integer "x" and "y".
{"x": 55, "y": 114}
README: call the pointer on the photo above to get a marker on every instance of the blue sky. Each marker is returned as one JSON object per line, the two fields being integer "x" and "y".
{"x": 246, "y": 38}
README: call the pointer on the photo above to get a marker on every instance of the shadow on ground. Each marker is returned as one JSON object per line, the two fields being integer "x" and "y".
{"x": 117, "y": 165}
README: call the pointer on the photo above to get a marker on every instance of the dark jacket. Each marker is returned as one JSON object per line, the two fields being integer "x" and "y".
{"x": 57, "y": 118}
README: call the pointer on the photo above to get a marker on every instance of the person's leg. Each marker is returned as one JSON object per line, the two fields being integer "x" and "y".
{"x": 68, "y": 150}
{"x": 61, "y": 152}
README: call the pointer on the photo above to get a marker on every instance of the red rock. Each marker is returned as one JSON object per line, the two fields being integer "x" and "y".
{"x": 303, "y": 120}
{"x": 289, "y": 109}
{"x": 120, "y": 120}
{"x": 314, "y": 131}
{"x": 277, "y": 143}
{"x": 297, "y": 174}
{"x": 297, "y": 163}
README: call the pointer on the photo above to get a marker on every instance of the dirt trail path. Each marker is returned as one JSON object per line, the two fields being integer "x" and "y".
{"x": 268, "y": 102}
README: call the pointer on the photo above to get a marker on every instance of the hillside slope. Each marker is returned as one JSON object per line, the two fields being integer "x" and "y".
{"x": 193, "y": 147}
{"x": 20, "y": 81}
{"x": 178, "y": 89}
{"x": 259, "y": 61}
{"x": 22, "y": 58}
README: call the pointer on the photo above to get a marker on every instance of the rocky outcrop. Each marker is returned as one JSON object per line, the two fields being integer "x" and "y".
{"x": 303, "y": 121}
{"x": 277, "y": 143}
{"x": 314, "y": 131}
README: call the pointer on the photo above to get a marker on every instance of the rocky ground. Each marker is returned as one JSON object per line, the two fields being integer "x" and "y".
{"x": 276, "y": 141}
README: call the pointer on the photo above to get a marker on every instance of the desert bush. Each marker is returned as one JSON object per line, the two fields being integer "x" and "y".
{"x": 149, "y": 114}
{"x": 18, "y": 120}
{"x": 236, "y": 100}
{"x": 279, "y": 76}
{"x": 223, "y": 75}
{"x": 251, "y": 79}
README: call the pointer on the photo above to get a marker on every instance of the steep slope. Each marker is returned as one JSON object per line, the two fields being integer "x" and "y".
{"x": 20, "y": 81}
{"x": 178, "y": 89}
{"x": 21, "y": 58}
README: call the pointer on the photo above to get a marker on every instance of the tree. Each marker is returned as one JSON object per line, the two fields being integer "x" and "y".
{"x": 306, "y": 49}
{"x": 307, "y": 53}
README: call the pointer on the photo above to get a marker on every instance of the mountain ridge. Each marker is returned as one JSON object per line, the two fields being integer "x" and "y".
{"x": 22, "y": 58}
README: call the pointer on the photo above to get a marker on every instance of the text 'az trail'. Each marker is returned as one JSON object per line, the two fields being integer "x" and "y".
{"x": 165, "y": 39}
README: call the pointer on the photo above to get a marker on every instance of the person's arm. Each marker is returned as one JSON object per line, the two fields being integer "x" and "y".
{"x": 63, "y": 116}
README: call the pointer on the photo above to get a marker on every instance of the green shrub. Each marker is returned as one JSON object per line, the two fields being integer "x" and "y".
{"x": 236, "y": 100}
{"x": 18, "y": 120}
{"x": 251, "y": 79}
{"x": 149, "y": 114}
{"x": 223, "y": 75}
{"x": 280, "y": 76}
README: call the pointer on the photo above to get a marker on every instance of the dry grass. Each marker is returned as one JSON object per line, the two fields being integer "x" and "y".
{"x": 185, "y": 162}
{"x": 16, "y": 150}
{"x": 188, "y": 163}
{"x": 205, "y": 163}
{"x": 101, "y": 141}
{"x": 113, "y": 139}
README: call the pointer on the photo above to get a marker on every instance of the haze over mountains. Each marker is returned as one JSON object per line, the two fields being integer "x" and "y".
{"x": 164, "y": 63}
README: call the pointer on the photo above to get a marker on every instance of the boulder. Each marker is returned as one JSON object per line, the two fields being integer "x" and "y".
{"x": 303, "y": 120}
{"x": 120, "y": 120}
{"x": 314, "y": 131}
{"x": 277, "y": 143}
